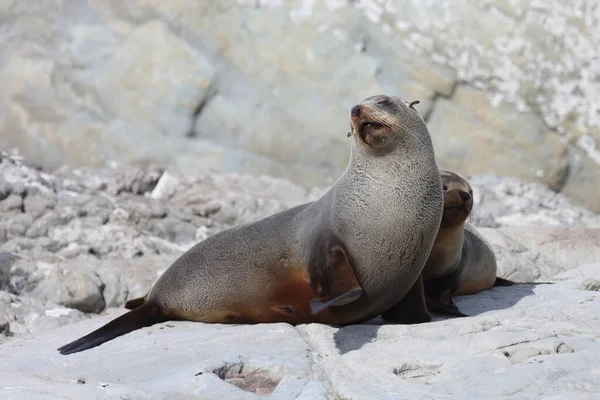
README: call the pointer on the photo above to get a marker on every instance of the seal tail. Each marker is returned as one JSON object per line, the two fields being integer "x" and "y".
{"x": 141, "y": 317}
{"x": 506, "y": 282}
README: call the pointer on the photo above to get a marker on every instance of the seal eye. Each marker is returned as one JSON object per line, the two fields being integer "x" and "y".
{"x": 373, "y": 125}
{"x": 445, "y": 188}
{"x": 384, "y": 102}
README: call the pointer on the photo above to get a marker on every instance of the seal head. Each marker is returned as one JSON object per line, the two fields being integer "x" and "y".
{"x": 458, "y": 199}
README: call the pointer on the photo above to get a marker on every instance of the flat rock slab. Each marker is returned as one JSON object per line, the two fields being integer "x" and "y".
{"x": 523, "y": 342}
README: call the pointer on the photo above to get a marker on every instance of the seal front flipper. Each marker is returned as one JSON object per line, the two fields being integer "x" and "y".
{"x": 412, "y": 309}
{"x": 141, "y": 317}
{"x": 444, "y": 305}
{"x": 331, "y": 275}
{"x": 438, "y": 294}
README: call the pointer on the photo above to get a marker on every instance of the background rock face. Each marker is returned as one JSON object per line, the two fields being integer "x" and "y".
{"x": 264, "y": 87}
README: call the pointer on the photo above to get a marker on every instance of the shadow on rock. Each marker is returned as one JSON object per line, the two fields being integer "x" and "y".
{"x": 497, "y": 298}
{"x": 354, "y": 337}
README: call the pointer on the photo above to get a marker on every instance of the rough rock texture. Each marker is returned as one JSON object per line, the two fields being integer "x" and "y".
{"x": 520, "y": 343}
{"x": 510, "y": 88}
{"x": 83, "y": 241}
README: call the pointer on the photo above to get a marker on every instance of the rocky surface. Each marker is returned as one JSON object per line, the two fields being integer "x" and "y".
{"x": 519, "y": 343}
{"x": 75, "y": 244}
{"x": 509, "y": 88}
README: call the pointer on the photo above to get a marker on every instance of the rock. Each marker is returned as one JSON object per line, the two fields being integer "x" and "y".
{"x": 263, "y": 86}
{"x": 581, "y": 273}
{"x": 18, "y": 224}
{"x": 7, "y": 260}
{"x": 22, "y": 315}
{"x": 581, "y": 185}
{"x": 171, "y": 229}
{"x": 135, "y": 180}
{"x": 11, "y": 203}
{"x": 40, "y": 226}
{"x": 495, "y": 138}
{"x": 525, "y": 254}
{"x": 591, "y": 285}
{"x": 103, "y": 238}
{"x": 165, "y": 187}
{"x": 510, "y": 202}
{"x": 65, "y": 286}
{"x": 5, "y": 188}
{"x": 515, "y": 341}
{"x": 36, "y": 205}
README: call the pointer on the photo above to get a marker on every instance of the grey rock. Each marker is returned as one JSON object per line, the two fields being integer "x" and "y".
{"x": 5, "y": 188}
{"x": 41, "y": 225}
{"x": 17, "y": 224}
{"x": 165, "y": 187}
{"x": 171, "y": 229}
{"x": 11, "y": 203}
{"x": 514, "y": 342}
{"x": 584, "y": 174}
{"x": 69, "y": 287}
{"x": 510, "y": 202}
{"x": 99, "y": 206}
{"x": 135, "y": 180}
{"x": 7, "y": 260}
{"x": 264, "y": 86}
{"x": 38, "y": 204}
{"x": 473, "y": 137}
{"x": 20, "y": 315}
{"x": 139, "y": 208}
{"x": 525, "y": 254}
{"x": 591, "y": 285}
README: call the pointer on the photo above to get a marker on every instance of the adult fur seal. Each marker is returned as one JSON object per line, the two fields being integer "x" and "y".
{"x": 330, "y": 261}
{"x": 461, "y": 261}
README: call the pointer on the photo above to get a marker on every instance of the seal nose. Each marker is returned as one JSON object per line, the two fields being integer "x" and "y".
{"x": 465, "y": 196}
{"x": 355, "y": 111}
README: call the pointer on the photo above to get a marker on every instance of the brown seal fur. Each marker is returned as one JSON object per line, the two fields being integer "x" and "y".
{"x": 462, "y": 261}
{"x": 329, "y": 261}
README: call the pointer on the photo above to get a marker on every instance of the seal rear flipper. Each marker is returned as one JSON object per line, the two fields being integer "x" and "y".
{"x": 412, "y": 309}
{"x": 505, "y": 282}
{"x": 331, "y": 275}
{"x": 136, "y": 302}
{"x": 141, "y": 317}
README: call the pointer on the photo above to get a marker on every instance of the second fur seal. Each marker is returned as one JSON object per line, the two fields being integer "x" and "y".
{"x": 462, "y": 261}
{"x": 329, "y": 261}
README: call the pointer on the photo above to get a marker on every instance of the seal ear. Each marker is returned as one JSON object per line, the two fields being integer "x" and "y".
{"x": 331, "y": 275}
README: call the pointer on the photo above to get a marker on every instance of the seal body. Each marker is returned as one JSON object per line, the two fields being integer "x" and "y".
{"x": 477, "y": 268}
{"x": 328, "y": 261}
{"x": 462, "y": 261}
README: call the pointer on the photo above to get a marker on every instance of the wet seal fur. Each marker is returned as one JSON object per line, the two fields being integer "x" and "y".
{"x": 462, "y": 261}
{"x": 329, "y": 261}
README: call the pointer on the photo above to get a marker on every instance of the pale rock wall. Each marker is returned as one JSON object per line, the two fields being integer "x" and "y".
{"x": 508, "y": 87}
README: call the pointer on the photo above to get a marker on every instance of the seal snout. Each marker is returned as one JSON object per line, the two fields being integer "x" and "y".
{"x": 355, "y": 111}
{"x": 458, "y": 199}
{"x": 465, "y": 196}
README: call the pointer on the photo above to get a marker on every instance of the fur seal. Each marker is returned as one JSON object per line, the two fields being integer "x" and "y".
{"x": 329, "y": 261}
{"x": 462, "y": 261}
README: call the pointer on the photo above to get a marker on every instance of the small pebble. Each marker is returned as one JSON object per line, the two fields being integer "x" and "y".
{"x": 591, "y": 285}
{"x": 562, "y": 348}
